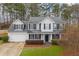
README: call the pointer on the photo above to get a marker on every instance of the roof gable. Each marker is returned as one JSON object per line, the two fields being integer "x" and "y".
{"x": 47, "y": 19}
{"x": 18, "y": 22}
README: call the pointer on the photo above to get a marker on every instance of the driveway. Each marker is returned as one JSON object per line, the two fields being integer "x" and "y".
{"x": 11, "y": 49}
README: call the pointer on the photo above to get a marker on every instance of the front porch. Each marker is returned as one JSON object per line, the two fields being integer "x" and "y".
{"x": 42, "y": 38}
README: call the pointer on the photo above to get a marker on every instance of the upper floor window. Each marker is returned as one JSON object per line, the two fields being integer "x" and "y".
{"x": 49, "y": 26}
{"x": 58, "y": 26}
{"x": 15, "y": 26}
{"x": 22, "y": 27}
{"x": 44, "y": 26}
{"x": 18, "y": 26}
{"x": 25, "y": 26}
{"x": 34, "y": 26}
{"x": 40, "y": 26}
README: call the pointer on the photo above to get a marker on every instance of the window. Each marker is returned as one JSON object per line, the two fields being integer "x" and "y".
{"x": 40, "y": 26}
{"x": 37, "y": 36}
{"x": 15, "y": 26}
{"x": 49, "y": 26}
{"x": 55, "y": 36}
{"x": 31, "y": 36}
{"x": 22, "y": 27}
{"x": 44, "y": 26}
{"x": 34, "y": 26}
{"x": 57, "y": 26}
{"x": 18, "y": 26}
{"x": 25, "y": 26}
{"x": 34, "y": 36}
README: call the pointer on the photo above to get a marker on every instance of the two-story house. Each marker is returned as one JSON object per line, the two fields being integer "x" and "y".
{"x": 36, "y": 28}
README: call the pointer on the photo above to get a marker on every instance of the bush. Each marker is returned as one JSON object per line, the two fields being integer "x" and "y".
{"x": 54, "y": 41}
{"x": 5, "y": 38}
{"x": 0, "y": 38}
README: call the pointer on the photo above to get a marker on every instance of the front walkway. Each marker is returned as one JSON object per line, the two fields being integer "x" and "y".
{"x": 11, "y": 49}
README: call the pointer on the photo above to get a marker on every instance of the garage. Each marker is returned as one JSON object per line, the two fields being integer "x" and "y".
{"x": 17, "y": 36}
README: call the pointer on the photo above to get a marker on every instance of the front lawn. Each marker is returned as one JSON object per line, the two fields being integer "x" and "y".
{"x": 1, "y": 41}
{"x": 50, "y": 51}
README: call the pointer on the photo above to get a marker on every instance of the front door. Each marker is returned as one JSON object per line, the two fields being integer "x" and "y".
{"x": 46, "y": 38}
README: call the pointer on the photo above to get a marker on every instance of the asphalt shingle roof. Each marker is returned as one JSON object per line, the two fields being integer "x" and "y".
{"x": 36, "y": 20}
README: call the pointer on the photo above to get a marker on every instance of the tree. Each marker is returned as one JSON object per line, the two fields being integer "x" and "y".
{"x": 45, "y": 8}
{"x": 9, "y": 10}
{"x": 56, "y": 9}
{"x": 75, "y": 9}
{"x": 3, "y": 16}
{"x": 18, "y": 9}
{"x": 70, "y": 39}
{"x": 66, "y": 13}
{"x": 34, "y": 9}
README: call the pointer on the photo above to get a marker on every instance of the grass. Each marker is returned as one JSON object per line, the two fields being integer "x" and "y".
{"x": 50, "y": 51}
{"x": 1, "y": 41}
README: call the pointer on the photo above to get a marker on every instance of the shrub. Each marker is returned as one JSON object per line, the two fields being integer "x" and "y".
{"x": 0, "y": 38}
{"x": 5, "y": 38}
{"x": 54, "y": 41}
{"x": 1, "y": 41}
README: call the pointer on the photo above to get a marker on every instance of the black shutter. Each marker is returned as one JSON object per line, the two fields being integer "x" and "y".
{"x": 29, "y": 26}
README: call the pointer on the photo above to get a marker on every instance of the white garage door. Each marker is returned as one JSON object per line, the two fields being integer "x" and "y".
{"x": 17, "y": 37}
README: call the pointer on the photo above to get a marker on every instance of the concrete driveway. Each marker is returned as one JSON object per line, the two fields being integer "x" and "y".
{"x": 11, "y": 49}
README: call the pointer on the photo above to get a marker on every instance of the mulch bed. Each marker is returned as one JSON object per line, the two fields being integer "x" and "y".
{"x": 70, "y": 53}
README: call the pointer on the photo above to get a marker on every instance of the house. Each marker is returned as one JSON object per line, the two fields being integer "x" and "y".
{"x": 36, "y": 28}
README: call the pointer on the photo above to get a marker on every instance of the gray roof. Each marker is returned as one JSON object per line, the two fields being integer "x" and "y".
{"x": 38, "y": 19}
{"x": 57, "y": 20}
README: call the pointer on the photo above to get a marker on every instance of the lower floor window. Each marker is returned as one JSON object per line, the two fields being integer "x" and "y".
{"x": 55, "y": 36}
{"x": 34, "y": 36}
{"x": 31, "y": 36}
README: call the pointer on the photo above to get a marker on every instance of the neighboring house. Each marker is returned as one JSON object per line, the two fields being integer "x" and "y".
{"x": 36, "y": 28}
